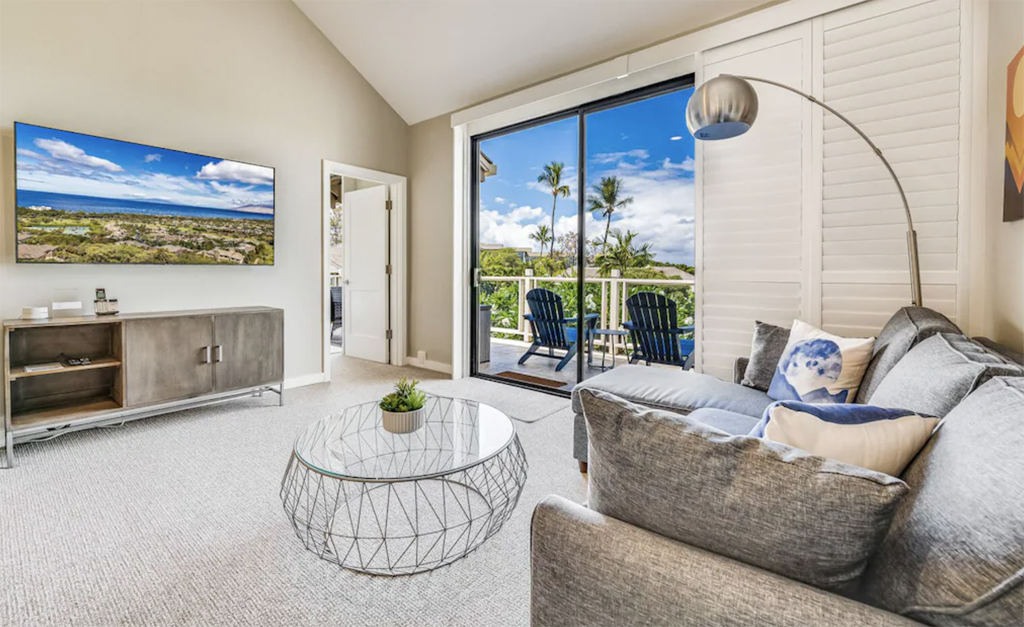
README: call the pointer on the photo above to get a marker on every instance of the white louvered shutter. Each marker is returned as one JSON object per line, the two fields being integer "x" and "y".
{"x": 752, "y": 249}
{"x": 896, "y": 75}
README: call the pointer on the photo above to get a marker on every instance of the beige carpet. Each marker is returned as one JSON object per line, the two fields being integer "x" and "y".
{"x": 177, "y": 521}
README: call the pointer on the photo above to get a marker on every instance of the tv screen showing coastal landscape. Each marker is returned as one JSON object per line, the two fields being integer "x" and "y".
{"x": 87, "y": 199}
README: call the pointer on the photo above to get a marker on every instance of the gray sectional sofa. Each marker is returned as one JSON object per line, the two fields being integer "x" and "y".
{"x": 953, "y": 555}
{"x": 734, "y": 408}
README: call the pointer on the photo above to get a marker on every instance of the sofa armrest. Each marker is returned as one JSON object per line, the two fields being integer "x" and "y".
{"x": 590, "y": 569}
{"x": 739, "y": 368}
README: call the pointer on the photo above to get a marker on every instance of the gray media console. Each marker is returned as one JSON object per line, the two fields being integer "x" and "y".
{"x": 140, "y": 365}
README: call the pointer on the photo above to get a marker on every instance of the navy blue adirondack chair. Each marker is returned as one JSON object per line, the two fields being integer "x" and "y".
{"x": 552, "y": 330}
{"x": 656, "y": 336}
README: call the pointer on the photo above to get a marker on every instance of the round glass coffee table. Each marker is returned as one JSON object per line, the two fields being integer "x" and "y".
{"x": 396, "y": 504}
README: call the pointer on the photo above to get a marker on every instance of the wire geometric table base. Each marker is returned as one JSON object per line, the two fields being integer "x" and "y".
{"x": 399, "y": 504}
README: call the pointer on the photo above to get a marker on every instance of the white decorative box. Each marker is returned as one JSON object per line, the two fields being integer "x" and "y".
{"x": 35, "y": 313}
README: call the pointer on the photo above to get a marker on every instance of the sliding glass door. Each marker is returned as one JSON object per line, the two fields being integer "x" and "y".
{"x": 572, "y": 215}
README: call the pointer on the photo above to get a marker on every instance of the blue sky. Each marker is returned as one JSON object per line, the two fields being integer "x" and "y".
{"x": 61, "y": 162}
{"x": 645, "y": 144}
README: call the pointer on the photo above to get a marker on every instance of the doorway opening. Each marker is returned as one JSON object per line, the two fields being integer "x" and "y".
{"x": 363, "y": 265}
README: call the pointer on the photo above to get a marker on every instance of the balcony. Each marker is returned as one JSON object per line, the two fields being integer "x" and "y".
{"x": 510, "y": 333}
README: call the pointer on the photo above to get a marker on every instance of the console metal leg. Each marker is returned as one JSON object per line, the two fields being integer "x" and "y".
{"x": 280, "y": 395}
{"x": 9, "y": 450}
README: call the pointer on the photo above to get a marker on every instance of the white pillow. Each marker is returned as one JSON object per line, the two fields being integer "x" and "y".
{"x": 876, "y": 438}
{"x": 819, "y": 367}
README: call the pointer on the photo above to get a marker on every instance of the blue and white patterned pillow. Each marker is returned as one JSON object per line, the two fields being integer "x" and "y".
{"x": 818, "y": 367}
{"x": 876, "y": 438}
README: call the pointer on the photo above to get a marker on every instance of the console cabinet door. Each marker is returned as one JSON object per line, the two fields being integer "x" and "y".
{"x": 249, "y": 349}
{"x": 166, "y": 359}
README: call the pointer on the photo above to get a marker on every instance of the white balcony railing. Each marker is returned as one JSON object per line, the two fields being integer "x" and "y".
{"x": 612, "y": 311}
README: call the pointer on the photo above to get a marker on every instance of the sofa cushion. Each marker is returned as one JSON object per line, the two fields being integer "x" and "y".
{"x": 955, "y": 552}
{"x": 726, "y": 421}
{"x": 903, "y": 331}
{"x": 675, "y": 390}
{"x": 763, "y": 503}
{"x": 871, "y": 437}
{"x": 818, "y": 367}
{"x": 765, "y": 352}
{"x": 1005, "y": 351}
{"x": 940, "y": 372}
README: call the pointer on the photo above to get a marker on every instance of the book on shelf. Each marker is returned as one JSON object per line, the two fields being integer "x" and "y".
{"x": 44, "y": 367}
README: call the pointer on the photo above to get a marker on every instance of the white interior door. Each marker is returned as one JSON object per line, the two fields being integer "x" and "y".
{"x": 366, "y": 280}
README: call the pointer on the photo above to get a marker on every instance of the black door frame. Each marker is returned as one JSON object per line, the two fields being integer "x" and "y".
{"x": 580, "y": 113}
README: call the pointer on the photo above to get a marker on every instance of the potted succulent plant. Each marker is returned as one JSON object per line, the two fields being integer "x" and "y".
{"x": 402, "y": 410}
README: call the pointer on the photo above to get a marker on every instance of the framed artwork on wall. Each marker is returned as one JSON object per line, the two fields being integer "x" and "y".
{"x": 1013, "y": 186}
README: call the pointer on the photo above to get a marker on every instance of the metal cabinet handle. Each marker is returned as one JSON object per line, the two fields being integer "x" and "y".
{"x": 220, "y": 353}
{"x": 206, "y": 355}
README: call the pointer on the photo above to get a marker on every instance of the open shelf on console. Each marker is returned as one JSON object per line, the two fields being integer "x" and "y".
{"x": 19, "y": 372}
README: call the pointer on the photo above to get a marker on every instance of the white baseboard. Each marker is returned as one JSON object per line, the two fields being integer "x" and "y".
{"x": 306, "y": 379}
{"x": 426, "y": 364}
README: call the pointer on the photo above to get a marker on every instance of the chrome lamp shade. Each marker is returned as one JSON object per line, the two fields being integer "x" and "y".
{"x": 721, "y": 108}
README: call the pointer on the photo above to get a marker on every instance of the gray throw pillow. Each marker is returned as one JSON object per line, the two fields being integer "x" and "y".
{"x": 765, "y": 352}
{"x": 907, "y": 328}
{"x": 937, "y": 374}
{"x": 954, "y": 555}
{"x": 766, "y": 504}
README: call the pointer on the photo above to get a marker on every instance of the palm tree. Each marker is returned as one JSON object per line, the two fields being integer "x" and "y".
{"x": 552, "y": 177}
{"x": 605, "y": 199}
{"x": 542, "y": 235}
{"x": 623, "y": 255}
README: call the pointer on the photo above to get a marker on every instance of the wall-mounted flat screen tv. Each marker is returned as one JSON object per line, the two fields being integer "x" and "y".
{"x": 87, "y": 199}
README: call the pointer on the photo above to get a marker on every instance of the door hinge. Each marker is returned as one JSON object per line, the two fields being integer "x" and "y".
{"x": 387, "y": 335}
{"x": 387, "y": 269}
{"x": 387, "y": 205}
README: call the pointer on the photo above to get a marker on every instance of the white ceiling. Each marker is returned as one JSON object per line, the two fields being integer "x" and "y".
{"x": 432, "y": 57}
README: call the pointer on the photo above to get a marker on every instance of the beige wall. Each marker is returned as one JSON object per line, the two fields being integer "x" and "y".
{"x": 1004, "y": 241}
{"x": 430, "y": 239}
{"x": 251, "y": 81}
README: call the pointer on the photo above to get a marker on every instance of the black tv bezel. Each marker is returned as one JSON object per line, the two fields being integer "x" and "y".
{"x": 17, "y": 260}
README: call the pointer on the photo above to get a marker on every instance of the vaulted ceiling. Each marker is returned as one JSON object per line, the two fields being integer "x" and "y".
{"x": 432, "y": 57}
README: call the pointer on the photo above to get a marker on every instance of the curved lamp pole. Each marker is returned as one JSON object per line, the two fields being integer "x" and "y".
{"x": 726, "y": 106}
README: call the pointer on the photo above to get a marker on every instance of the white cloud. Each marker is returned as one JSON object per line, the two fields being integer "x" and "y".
{"x": 499, "y": 200}
{"x": 510, "y": 229}
{"x": 687, "y": 164}
{"x": 238, "y": 172}
{"x": 152, "y": 157}
{"x": 64, "y": 151}
{"x": 662, "y": 210}
{"x": 526, "y": 214}
{"x": 615, "y": 157}
{"x": 242, "y": 196}
{"x": 675, "y": 138}
{"x": 25, "y": 152}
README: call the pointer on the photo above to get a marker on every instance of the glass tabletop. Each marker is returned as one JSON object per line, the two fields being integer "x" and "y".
{"x": 353, "y": 444}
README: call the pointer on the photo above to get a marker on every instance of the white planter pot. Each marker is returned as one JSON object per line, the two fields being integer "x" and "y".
{"x": 402, "y": 422}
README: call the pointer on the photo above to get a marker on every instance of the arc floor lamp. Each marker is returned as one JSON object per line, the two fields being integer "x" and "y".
{"x": 726, "y": 106}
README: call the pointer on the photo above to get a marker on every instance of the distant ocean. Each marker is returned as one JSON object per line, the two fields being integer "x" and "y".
{"x": 90, "y": 204}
